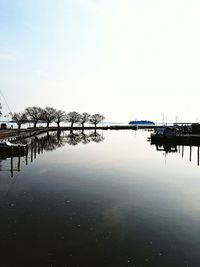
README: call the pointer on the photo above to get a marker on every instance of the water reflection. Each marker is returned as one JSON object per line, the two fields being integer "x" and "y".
{"x": 180, "y": 149}
{"x": 46, "y": 142}
{"x": 104, "y": 204}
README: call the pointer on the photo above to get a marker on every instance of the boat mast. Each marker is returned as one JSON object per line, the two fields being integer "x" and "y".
{"x": 3, "y": 98}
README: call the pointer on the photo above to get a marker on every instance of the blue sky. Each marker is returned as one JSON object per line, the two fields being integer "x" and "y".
{"x": 125, "y": 59}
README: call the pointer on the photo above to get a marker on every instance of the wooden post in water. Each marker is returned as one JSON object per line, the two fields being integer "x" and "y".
{"x": 35, "y": 149}
{"x": 42, "y": 148}
{"x": 190, "y": 153}
{"x": 31, "y": 152}
{"x": 11, "y": 162}
{"x": 39, "y": 148}
{"x": 26, "y": 154}
{"x": 198, "y": 156}
{"x": 19, "y": 159}
{"x": 182, "y": 151}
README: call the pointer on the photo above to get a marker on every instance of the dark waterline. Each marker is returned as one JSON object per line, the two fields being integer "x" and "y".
{"x": 109, "y": 199}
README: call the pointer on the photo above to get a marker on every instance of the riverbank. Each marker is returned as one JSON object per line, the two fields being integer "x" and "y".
{"x": 13, "y": 134}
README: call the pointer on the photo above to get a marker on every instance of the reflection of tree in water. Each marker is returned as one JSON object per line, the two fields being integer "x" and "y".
{"x": 47, "y": 142}
{"x": 77, "y": 138}
{"x": 52, "y": 141}
{"x": 85, "y": 139}
{"x": 96, "y": 137}
{"x": 73, "y": 139}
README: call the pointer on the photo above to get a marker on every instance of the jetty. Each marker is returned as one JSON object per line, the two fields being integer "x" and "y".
{"x": 15, "y": 134}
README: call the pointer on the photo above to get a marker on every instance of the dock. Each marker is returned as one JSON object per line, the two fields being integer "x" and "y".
{"x": 183, "y": 139}
{"x": 15, "y": 134}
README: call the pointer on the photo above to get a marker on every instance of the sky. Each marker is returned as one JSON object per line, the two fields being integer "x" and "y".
{"x": 125, "y": 59}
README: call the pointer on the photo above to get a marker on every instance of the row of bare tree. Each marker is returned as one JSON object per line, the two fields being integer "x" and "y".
{"x": 49, "y": 115}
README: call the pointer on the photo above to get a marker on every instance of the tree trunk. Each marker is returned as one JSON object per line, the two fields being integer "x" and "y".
{"x": 82, "y": 126}
{"x": 48, "y": 124}
{"x": 58, "y": 124}
{"x": 35, "y": 123}
{"x": 19, "y": 126}
{"x": 58, "y": 135}
{"x": 95, "y": 130}
{"x": 72, "y": 124}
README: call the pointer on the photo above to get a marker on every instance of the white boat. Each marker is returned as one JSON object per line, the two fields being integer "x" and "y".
{"x": 7, "y": 144}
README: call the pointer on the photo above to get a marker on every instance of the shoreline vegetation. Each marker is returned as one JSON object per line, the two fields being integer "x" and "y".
{"x": 77, "y": 121}
{"x": 50, "y": 115}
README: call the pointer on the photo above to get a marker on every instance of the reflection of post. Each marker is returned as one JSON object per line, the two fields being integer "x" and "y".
{"x": 19, "y": 158}
{"x": 182, "y": 151}
{"x": 179, "y": 150}
{"x": 198, "y": 156}
{"x": 27, "y": 155}
{"x": 42, "y": 147}
{"x": 38, "y": 148}
{"x": 11, "y": 169}
{"x": 190, "y": 153}
{"x": 31, "y": 152}
{"x": 35, "y": 149}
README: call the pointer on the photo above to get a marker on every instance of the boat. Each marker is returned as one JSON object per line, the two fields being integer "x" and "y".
{"x": 142, "y": 122}
{"x": 8, "y": 149}
{"x": 164, "y": 132}
{"x": 173, "y": 136}
{"x": 7, "y": 144}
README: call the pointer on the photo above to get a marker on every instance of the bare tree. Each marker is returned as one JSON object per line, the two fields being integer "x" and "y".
{"x": 59, "y": 116}
{"x": 34, "y": 114}
{"x": 19, "y": 118}
{"x": 48, "y": 115}
{"x": 84, "y": 117}
{"x": 96, "y": 118}
{"x": 73, "y": 117}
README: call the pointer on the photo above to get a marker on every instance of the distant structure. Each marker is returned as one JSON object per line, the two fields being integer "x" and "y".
{"x": 142, "y": 122}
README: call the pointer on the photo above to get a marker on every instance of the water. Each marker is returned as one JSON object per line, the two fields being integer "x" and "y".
{"x": 106, "y": 199}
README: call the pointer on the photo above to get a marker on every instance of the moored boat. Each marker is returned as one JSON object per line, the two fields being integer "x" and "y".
{"x": 8, "y": 149}
{"x": 171, "y": 135}
{"x": 7, "y": 144}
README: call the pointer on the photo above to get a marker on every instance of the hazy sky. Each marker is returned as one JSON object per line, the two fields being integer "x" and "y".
{"x": 126, "y": 59}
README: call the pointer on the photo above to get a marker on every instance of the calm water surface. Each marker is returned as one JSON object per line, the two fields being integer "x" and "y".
{"x": 110, "y": 199}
